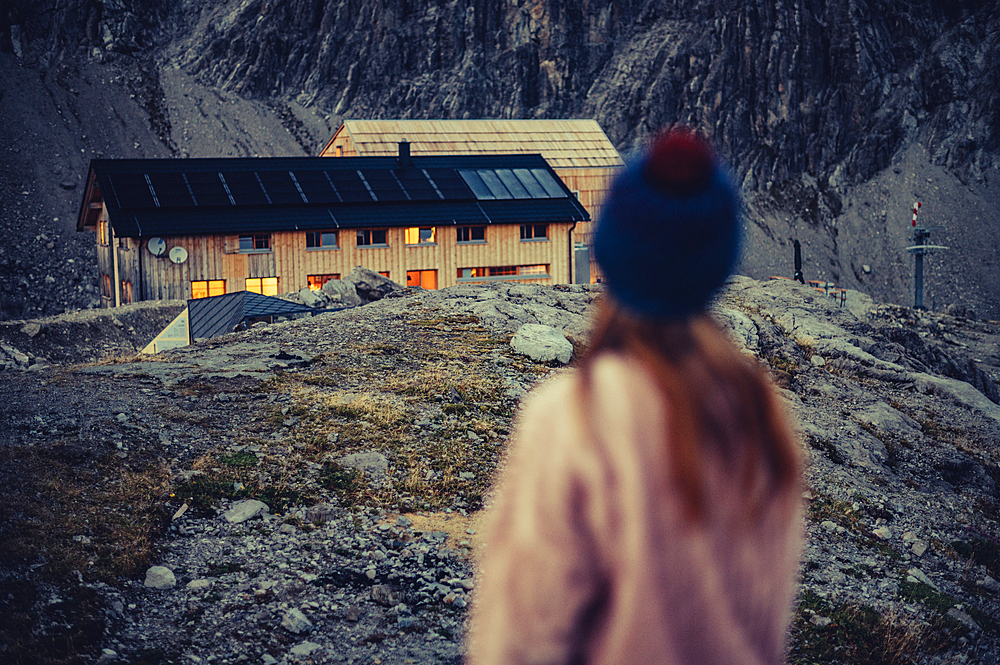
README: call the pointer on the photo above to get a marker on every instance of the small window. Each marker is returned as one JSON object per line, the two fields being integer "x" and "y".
{"x": 126, "y": 292}
{"x": 384, "y": 273}
{"x": 256, "y": 243}
{"x": 206, "y": 288}
{"x": 428, "y": 279}
{"x": 265, "y": 286}
{"x": 471, "y": 234}
{"x": 533, "y": 270}
{"x": 106, "y": 285}
{"x": 370, "y": 237}
{"x": 321, "y": 240}
{"x": 496, "y": 272}
{"x": 103, "y": 235}
{"x": 316, "y": 282}
{"x": 534, "y": 232}
{"x": 502, "y": 271}
{"x": 423, "y": 235}
{"x": 340, "y": 151}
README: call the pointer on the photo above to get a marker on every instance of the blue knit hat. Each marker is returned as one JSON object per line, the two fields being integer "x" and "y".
{"x": 669, "y": 234}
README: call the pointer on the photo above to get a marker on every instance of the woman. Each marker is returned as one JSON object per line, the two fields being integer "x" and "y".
{"x": 649, "y": 512}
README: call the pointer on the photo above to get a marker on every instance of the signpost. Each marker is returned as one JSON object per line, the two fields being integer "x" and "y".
{"x": 918, "y": 249}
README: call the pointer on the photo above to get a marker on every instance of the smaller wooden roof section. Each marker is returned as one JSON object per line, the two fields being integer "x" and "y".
{"x": 570, "y": 143}
{"x": 165, "y": 197}
{"x": 218, "y": 315}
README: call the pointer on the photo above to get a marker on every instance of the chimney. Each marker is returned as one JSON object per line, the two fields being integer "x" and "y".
{"x": 404, "y": 154}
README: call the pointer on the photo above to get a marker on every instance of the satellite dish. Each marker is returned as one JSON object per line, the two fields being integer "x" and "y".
{"x": 178, "y": 255}
{"x": 157, "y": 247}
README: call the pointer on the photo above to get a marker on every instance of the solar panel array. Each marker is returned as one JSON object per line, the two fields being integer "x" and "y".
{"x": 164, "y": 189}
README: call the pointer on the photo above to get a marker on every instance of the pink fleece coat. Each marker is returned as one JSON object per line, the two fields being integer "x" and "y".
{"x": 588, "y": 560}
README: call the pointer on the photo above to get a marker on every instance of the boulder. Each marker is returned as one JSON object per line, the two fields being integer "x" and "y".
{"x": 160, "y": 577}
{"x": 370, "y": 285}
{"x": 340, "y": 292}
{"x": 309, "y": 297}
{"x": 296, "y": 622}
{"x": 244, "y": 510}
{"x": 542, "y": 343}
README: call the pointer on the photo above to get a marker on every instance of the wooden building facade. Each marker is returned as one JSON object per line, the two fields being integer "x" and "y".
{"x": 194, "y": 228}
{"x": 578, "y": 150}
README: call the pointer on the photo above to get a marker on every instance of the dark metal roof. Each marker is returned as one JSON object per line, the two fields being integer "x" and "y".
{"x": 218, "y": 315}
{"x": 164, "y": 197}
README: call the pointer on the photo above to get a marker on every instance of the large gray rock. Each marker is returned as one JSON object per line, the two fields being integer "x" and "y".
{"x": 296, "y": 622}
{"x": 244, "y": 510}
{"x": 373, "y": 465}
{"x": 370, "y": 285}
{"x": 542, "y": 343}
{"x": 340, "y": 292}
{"x": 160, "y": 577}
{"x": 309, "y": 297}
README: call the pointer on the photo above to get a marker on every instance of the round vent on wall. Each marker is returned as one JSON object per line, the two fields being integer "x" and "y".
{"x": 178, "y": 255}
{"x": 157, "y": 247}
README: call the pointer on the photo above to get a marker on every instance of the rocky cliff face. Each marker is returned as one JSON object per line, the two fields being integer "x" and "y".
{"x": 808, "y": 99}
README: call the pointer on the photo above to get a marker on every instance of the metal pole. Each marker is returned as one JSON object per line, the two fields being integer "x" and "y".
{"x": 798, "y": 263}
{"x": 918, "y": 280}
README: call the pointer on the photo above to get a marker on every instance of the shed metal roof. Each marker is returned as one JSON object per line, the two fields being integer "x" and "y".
{"x": 569, "y": 143}
{"x": 167, "y": 197}
{"x": 218, "y": 315}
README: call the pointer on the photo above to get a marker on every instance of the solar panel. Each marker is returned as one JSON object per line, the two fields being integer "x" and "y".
{"x": 476, "y": 184}
{"x": 316, "y": 187}
{"x": 533, "y": 187}
{"x": 280, "y": 187}
{"x": 245, "y": 188}
{"x": 348, "y": 184}
{"x": 208, "y": 189}
{"x": 513, "y": 185}
{"x": 384, "y": 185}
{"x": 131, "y": 190}
{"x": 491, "y": 180}
{"x": 449, "y": 183}
{"x": 549, "y": 183}
{"x": 415, "y": 183}
{"x": 171, "y": 190}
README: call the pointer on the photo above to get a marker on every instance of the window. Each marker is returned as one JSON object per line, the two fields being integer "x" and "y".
{"x": 369, "y": 237}
{"x": 126, "y": 292}
{"x": 258, "y": 242}
{"x": 321, "y": 240}
{"x": 534, "y": 232}
{"x": 425, "y": 278}
{"x": 206, "y": 288}
{"x": 472, "y": 234}
{"x": 316, "y": 282}
{"x": 384, "y": 273}
{"x": 340, "y": 151}
{"x": 423, "y": 235}
{"x": 106, "y": 286}
{"x": 265, "y": 286}
{"x": 103, "y": 237}
{"x": 499, "y": 272}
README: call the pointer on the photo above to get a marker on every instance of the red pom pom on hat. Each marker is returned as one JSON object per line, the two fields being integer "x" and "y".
{"x": 680, "y": 162}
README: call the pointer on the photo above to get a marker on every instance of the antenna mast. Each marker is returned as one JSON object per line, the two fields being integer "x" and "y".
{"x": 918, "y": 249}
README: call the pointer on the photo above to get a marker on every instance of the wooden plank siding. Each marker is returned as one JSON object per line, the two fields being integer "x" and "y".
{"x": 211, "y": 257}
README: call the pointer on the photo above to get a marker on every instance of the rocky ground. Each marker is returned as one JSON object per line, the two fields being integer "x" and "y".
{"x": 309, "y": 491}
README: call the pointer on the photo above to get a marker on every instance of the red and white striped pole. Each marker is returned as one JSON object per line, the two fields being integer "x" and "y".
{"x": 916, "y": 207}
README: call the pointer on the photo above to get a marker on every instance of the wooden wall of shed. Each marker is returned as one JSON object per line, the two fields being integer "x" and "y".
{"x": 292, "y": 262}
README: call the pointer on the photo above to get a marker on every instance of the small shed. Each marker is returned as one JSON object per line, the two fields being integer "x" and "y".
{"x": 219, "y": 315}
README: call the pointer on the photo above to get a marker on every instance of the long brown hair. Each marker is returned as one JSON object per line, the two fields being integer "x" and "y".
{"x": 691, "y": 361}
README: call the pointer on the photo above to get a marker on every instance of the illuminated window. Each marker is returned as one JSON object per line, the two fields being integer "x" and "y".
{"x": 423, "y": 235}
{"x": 106, "y": 285}
{"x": 340, "y": 151}
{"x": 536, "y": 271}
{"x": 103, "y": 236}
{"x": 316, "y": 282}
{"x": 256, "y": 243}
{"x": 534, "y": 232}
{"x": 266, "y": 286}
{"x": 371, "y": 237}
{"x": 471, "y": 234}
{"x": 321, "y": 240}
{"x": 206, "y": 288}
{"x": 384, "y": 273}
{"x": 428, "y": 279}
{"x": 126, "y": 292}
